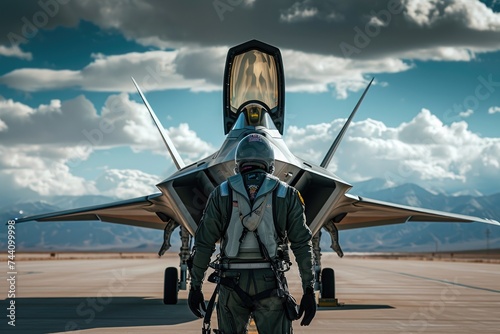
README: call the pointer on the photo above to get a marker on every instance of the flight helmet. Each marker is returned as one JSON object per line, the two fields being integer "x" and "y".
{"x": 254, "y": 151}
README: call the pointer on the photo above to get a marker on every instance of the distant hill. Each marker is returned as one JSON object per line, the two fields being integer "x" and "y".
{"x": 98, "y": 236}
{"x": 77, "y": 236}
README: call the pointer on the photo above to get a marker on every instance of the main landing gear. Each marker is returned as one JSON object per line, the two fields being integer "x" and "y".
{"x": 172, "y": 281}
{"x": 325, "y": 279}
{"x": 170, "y": 286}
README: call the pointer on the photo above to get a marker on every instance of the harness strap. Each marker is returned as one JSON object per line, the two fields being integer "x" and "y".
{"x": 210, "y": 307}
{"x": 247, "y": 300}
{"x": 280, "y": 277}
{"x": 249, "y": 265}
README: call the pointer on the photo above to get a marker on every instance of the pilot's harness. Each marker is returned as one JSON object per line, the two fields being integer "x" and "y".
{"x": 279, "y": 266}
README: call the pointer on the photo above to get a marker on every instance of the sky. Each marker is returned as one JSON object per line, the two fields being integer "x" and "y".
{"x": 71, "y": 122}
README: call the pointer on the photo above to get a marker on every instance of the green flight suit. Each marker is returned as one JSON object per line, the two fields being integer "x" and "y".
{"x": 268, "y": 313}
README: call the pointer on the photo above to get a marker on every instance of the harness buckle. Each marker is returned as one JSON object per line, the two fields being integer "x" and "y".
{"x": 206, "y": 328}
{"x": 214, "y": 277}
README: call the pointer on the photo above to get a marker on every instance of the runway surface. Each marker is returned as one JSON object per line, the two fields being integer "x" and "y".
{"x": 379, "y": 296}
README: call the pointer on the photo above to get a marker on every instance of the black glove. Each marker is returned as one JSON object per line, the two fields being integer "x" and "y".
{"x": 307, "y": 305}
{"x": 196, "y": 301}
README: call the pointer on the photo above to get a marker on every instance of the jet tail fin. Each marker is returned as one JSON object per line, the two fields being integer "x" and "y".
{"x": 179, "y": 163}
{"x": 336, "y": 142}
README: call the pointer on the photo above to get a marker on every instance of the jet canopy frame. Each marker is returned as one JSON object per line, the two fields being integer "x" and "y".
{"x": 254, "y": 71}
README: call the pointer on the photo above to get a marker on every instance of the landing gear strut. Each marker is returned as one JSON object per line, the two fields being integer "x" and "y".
{"x": 172, "y": 282}
{"x": 325, "y": 282}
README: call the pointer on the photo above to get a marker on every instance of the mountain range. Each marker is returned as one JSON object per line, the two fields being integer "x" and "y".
{"x": 425, "y": 237}
{"x": 409, "y": 237}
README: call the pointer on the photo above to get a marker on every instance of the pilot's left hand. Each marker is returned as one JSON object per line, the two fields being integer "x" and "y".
{"x": 307, "y": 305}
{"x": 196, "y": 301}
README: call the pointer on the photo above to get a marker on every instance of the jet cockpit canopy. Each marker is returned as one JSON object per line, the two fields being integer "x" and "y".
{"x": 254, "y": 73}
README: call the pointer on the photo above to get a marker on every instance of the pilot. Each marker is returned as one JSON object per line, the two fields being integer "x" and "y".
{"x": 253, "y": 214}
{"x": 254, "y": 114}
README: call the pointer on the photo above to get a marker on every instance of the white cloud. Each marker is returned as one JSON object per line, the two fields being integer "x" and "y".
{"x": 451, "y": 30}
{"x": 441, "y": 54}
{"x": 153, "y": 70}
{"x": 477, "y": 16}
{"x": 3, "y": 126}
{"x": 76, "y": 123}
{"x": 40, "y": 146}
{"x": 461, "y": 28}
{"x": 43, "y": 169}
{"x": 188, "y": 69}
{"x": 126, "y": 183}
{"x": 467, "y": 113}
{"x": 187, "y": 141}
{"x": 317, "y": 73}
{"x": 298, "y": 13}
{"x": 35, "y": 79}
{"x": 15, "y": 51}
{"x": 472, "y": 14}
{"x": 424, "y": 151}
{"x": 493, "y": 110}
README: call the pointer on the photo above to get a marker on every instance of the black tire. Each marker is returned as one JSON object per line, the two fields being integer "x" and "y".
{"x": 327, "y": 283}
{"x": 170, "y": 286}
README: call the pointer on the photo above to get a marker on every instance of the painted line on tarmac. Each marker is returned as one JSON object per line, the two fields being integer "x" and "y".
{"x": 446, "y": 282}
{"x": 431, "y": 279}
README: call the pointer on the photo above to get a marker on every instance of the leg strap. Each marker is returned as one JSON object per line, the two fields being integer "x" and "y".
{"x": 247, "y": 300}
{"x": 210, "y": 307}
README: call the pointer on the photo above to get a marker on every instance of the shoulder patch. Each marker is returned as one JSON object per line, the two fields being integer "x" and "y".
{"x": 300, "y": 198}
{"x": 224, "y": 189}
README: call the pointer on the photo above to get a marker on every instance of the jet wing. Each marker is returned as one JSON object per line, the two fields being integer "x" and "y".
{"x": 147, "y": 211}
{"x": 364, "y": 212}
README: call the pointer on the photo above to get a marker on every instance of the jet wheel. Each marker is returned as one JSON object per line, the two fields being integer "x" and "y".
{"x": 327, "y": 283}
{"x": 170, "y": 286}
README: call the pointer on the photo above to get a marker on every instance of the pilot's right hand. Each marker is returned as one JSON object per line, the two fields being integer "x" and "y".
{"x": 196, "y": 301}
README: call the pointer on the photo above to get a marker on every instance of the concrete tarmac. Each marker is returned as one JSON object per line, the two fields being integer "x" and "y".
{"x": 113, "y": 295}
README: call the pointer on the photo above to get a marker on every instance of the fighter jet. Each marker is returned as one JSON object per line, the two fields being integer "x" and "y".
{"x": 253, "y": 102}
